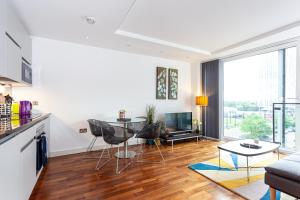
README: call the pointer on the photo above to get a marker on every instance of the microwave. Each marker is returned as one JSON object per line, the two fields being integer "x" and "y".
{"x": 26, "y": 72}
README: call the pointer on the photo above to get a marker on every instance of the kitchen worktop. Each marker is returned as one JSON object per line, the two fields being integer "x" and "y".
{"x": 10, "y": 127}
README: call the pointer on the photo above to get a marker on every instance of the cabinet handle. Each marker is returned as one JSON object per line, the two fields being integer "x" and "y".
{"x": 12, "y": 39}
{"x": 28, "y": 63}
{"x": 26, "y": 145}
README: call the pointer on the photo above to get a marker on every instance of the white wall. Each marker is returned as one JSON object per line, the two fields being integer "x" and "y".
{"x": 196, "y": 89}
{"x": 76, "y": 82}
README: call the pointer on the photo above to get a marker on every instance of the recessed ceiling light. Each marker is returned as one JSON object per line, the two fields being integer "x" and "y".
{"x": 90, "y": 19}
{"x": 87, "y": 37}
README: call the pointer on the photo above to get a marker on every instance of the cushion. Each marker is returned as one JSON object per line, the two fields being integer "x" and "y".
{"x": 288, "y": 167}
{"x": 298, "y": 153}
{"x": 285, "y": 185}
{"x": 294, "y": 157}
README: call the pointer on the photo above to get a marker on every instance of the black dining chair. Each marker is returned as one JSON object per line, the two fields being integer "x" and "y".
{"x": 95, "y": 126}
{"x": 136, "y": 126}
{"x": 150, "y": 132}
{"x": 114, "y": 135}
{"x": 96, "y": 132}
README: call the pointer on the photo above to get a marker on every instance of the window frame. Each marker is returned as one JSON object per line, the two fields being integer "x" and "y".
{"x": 250, "y": 53}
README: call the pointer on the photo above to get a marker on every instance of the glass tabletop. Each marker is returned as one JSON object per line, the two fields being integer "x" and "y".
{"x": 132, "y": 120}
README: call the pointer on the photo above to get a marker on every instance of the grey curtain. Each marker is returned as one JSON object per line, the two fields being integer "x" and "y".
{"x": 210, "y": 87}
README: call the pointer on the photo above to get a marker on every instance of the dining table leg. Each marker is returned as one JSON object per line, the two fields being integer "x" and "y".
{"x": 125, "y": 153}
{"x": 126, "y": 149}
{"x": 125, "y": 143}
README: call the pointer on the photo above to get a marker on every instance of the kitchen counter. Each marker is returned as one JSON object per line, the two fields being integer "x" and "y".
{"x": 10, "y": 127}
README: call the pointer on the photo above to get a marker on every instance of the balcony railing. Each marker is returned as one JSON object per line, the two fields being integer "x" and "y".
{"x": 286, "y": 125}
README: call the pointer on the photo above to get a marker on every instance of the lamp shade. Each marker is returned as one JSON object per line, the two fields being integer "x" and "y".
{"x": 202, "y": 100}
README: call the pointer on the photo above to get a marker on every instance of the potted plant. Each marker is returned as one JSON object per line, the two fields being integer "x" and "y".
{"x": 150, "y": 114}
{"x": 162, "y": 128}
{"x": 197, "y": 125}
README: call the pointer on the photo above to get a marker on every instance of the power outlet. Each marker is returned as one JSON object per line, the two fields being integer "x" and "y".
{"x": 82, "y": 130}
{"x": 35, "y": 103}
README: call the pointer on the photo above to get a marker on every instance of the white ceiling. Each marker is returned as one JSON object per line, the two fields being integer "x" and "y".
{"x": 186, "y": 30}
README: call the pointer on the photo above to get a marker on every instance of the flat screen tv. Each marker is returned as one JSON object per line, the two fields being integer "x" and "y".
{"x": 178, "y": 122}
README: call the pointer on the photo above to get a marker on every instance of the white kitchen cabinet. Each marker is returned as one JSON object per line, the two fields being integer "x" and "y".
{"x": 47, "y": 129}
{"x": 26, "y": 44}
{"x": 2, "y": 36}
{"x": 18, "y": 164}
{"x": 13, "y": 60}
{"x": 28, "y": 163}
{"x": 10, "y": 58}
{"x": 13, "y": 25}
{"x": 10, "y": 169}
{"x": 17, "y": 30}
{"x": 28, "y": 174}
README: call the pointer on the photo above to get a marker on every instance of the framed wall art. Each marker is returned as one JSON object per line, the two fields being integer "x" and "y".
{"x": 173, "y": 84}
{"x": 161, "y": 83}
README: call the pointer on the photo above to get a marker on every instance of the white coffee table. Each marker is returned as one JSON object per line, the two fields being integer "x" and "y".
{"x": 235, "y": 148}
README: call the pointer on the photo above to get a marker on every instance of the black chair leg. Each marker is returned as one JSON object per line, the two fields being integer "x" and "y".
{"x": 140, "y": 150}
{"x": 101, "y": 156}
{"x": 145, "y": 161}
{"x": 89, "y": 150}
{"x": 163, "y": 159}
{"x": 91, "y": 145}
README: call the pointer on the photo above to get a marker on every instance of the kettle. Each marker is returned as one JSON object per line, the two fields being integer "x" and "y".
{"x": 25, "y": 108}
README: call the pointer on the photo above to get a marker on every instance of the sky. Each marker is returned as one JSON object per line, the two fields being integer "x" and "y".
{"x": 257, "y": 78}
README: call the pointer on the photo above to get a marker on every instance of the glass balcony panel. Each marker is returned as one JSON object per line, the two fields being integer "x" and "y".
{"x": 286, "y": 125}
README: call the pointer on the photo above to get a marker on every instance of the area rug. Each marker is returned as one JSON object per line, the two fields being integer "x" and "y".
{"x": 231, "y": 176}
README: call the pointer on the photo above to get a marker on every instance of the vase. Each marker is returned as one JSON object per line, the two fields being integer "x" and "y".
{"x": 121, "y": 115}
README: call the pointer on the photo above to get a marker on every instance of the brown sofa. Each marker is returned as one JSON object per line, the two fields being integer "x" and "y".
{"x": 284, "y": 175}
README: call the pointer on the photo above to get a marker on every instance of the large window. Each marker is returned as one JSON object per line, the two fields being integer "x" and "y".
{"x": 251, "y": 86}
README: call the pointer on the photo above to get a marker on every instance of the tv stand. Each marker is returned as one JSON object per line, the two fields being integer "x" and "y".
{"x": 181, "y": 135}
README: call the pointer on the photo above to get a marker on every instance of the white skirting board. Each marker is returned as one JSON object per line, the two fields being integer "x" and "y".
{"x": 96, "y": 147}
{"x": 210, "y": 138}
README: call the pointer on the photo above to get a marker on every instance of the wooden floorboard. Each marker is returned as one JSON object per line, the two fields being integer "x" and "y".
{"x": 72, "y": 177}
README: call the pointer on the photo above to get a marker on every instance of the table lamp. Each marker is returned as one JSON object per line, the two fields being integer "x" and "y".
{"x": 201, "y": 100}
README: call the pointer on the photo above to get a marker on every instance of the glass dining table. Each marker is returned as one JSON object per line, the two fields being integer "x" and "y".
{"x": 125, "y": 123}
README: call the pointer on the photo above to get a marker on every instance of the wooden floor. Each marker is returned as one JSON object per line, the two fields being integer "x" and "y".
{"x": 73, "y": 177}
